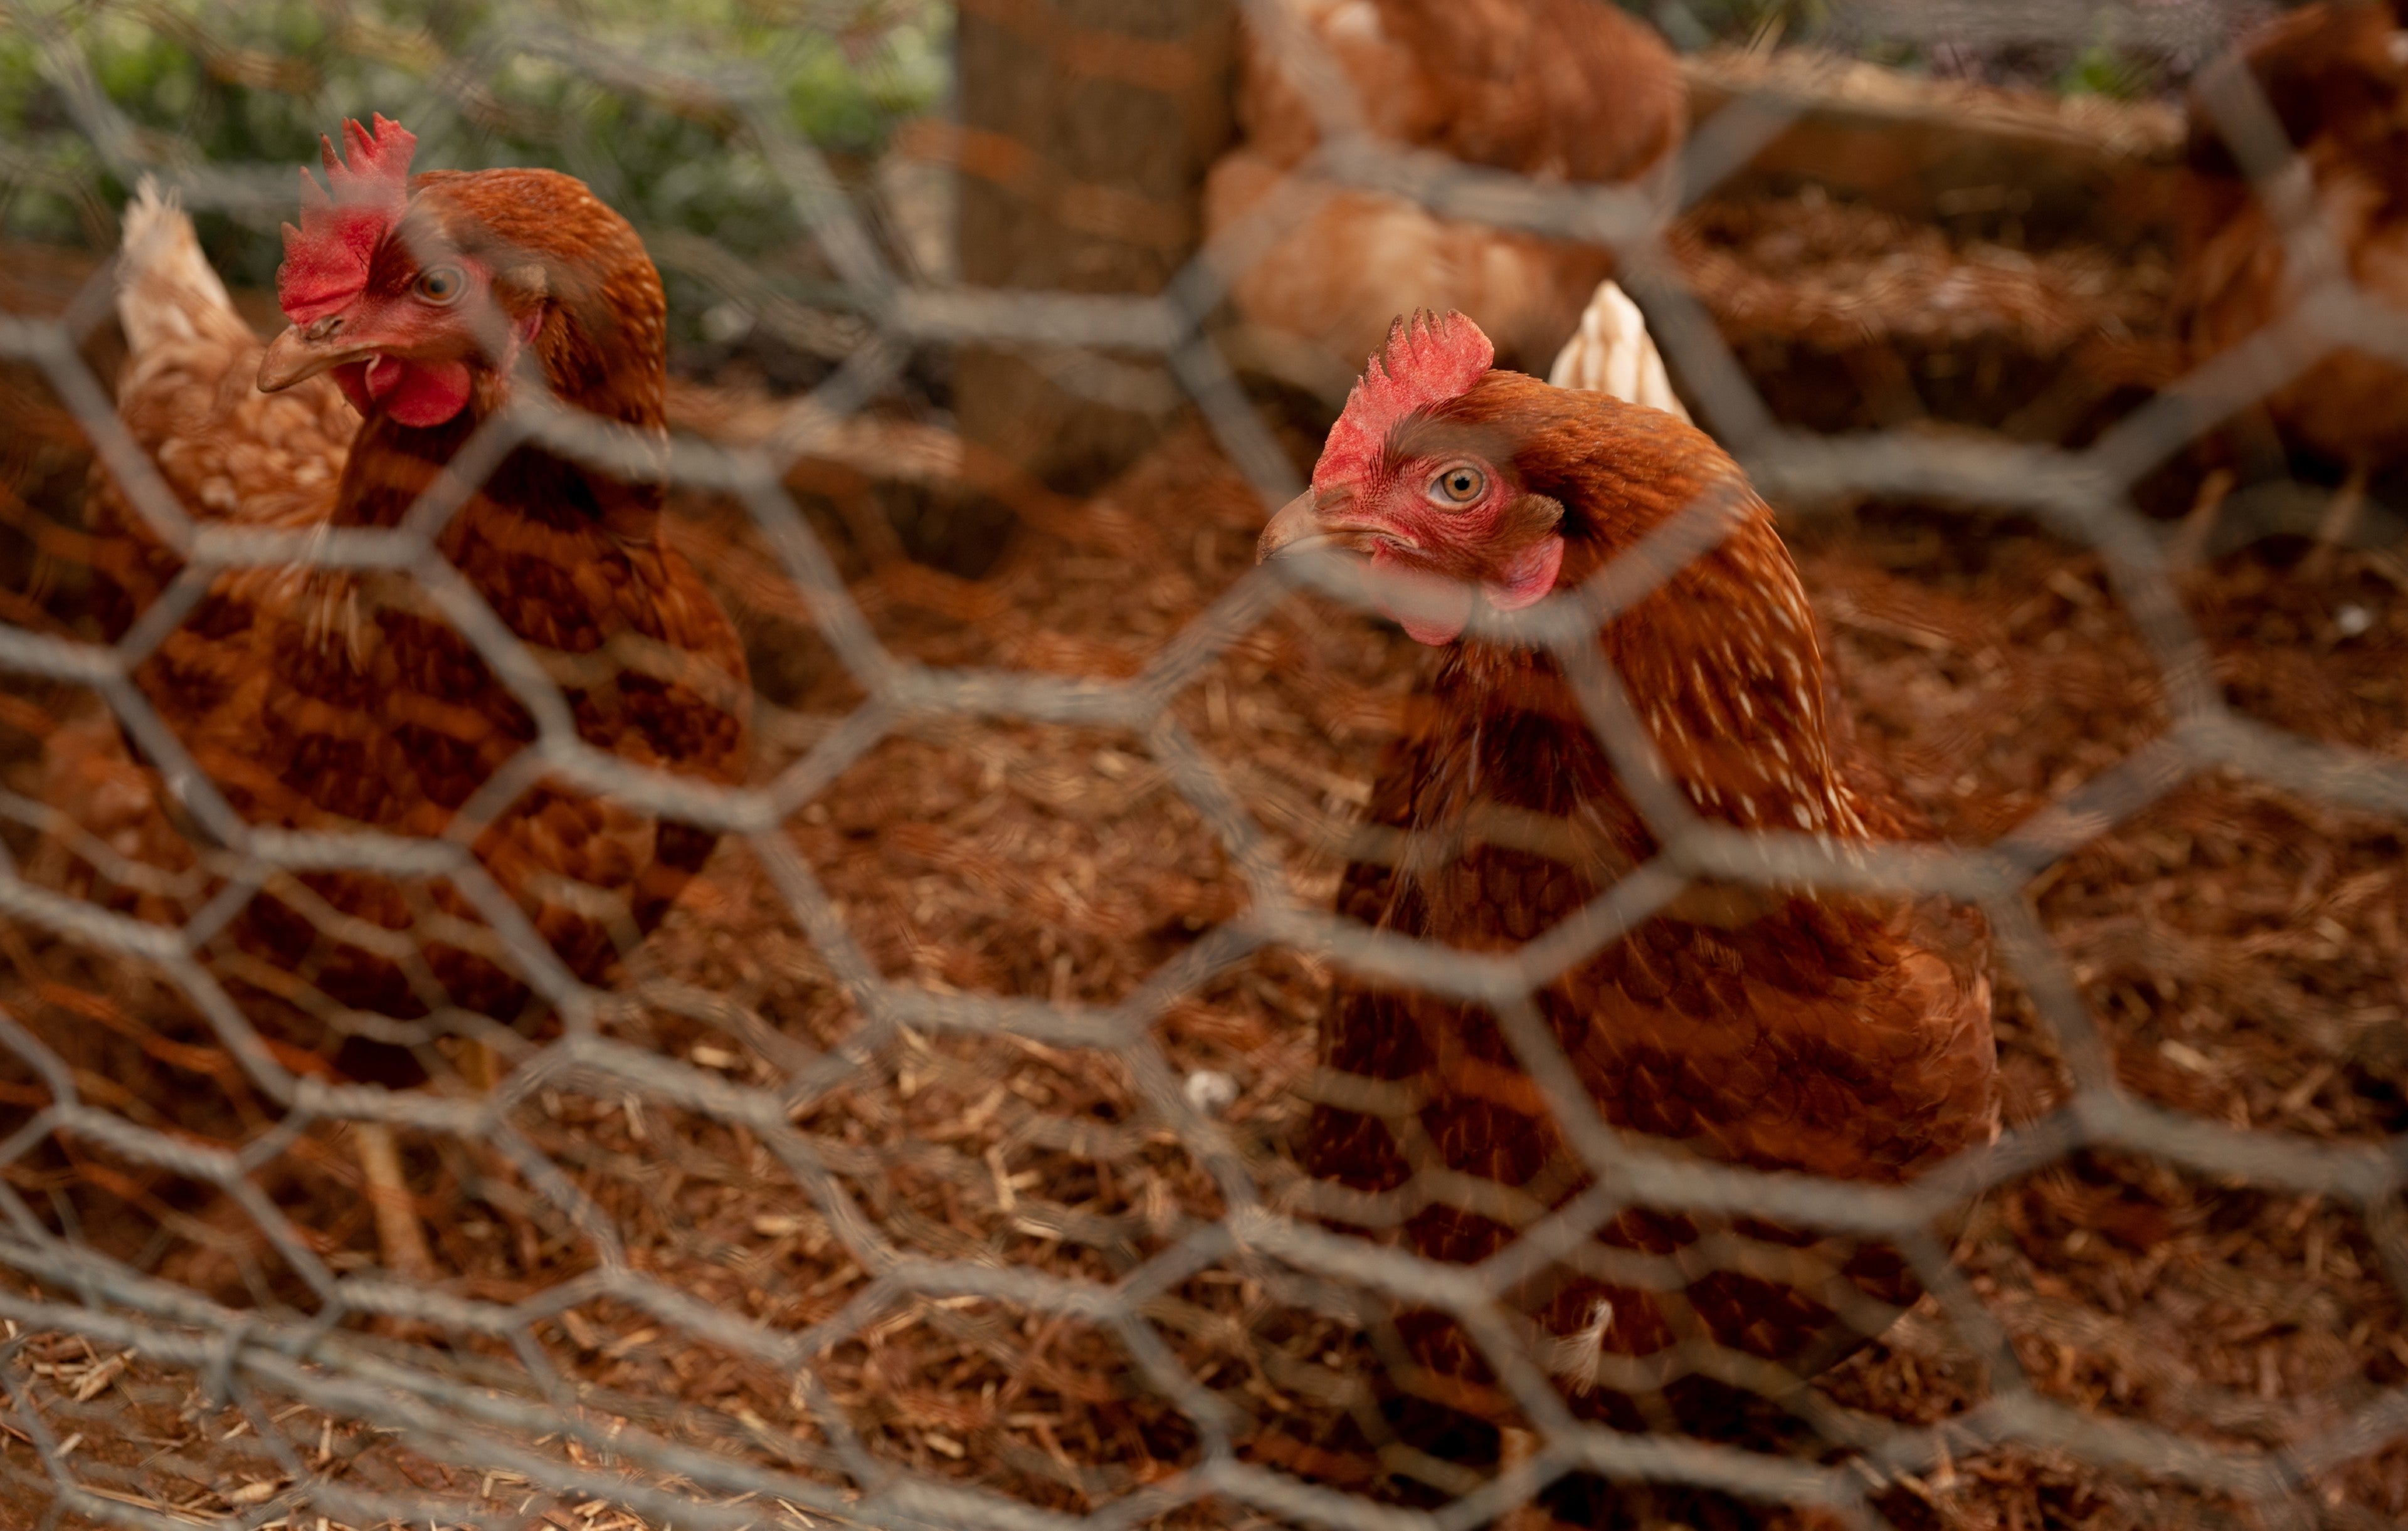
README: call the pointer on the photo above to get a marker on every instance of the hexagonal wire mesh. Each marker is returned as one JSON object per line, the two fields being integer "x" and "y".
{"x": 713, "y": 1258}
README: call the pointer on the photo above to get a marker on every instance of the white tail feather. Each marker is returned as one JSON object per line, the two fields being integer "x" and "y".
{"x": 1613, "y": 353}
{"x": 165, "y": 290}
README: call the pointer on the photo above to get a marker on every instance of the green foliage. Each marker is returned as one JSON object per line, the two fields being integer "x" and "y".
{"x": 2102, "y": 70}
{"x": 652, "y": 102}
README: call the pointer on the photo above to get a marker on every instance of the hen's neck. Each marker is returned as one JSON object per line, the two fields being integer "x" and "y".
{"x": 1720, "y": 658}
{"x": 1723, "y": 669}
{"x": 392, "y": 464}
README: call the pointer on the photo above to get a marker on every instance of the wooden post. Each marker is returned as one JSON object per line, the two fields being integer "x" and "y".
{"x": 1086, "y": 128}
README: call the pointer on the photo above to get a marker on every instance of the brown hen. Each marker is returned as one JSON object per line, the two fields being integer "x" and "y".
{"x": 1569, "y": 90}
{"x": 2336, "y": 75}
{"x": 332, "y": 700}
{"x": 1838, "y": 1035}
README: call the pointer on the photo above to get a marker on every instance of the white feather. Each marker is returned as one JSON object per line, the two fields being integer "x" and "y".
{"x": 1613, "y": 353}
{"x": 166, "y": 289}
{"x": 1579, "y": 1359}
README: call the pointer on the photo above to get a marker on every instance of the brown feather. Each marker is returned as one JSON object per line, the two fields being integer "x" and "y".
{"x": 326, "y": 700}
{"x": 2337, "y": 80}
{"x": 1837, "y": 1035}
{"x": 1559, "y": 89}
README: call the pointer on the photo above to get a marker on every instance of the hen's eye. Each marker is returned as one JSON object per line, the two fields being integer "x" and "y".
{"x": 1457, "y": 485}
{"x": 443, "y": 284}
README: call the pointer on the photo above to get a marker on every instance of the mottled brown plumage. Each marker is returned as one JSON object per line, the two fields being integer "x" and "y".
{"x": 1556, "y": 90}
{"x": 1552, "y": 88}
{"x": 330, "y": 700}
{"x": 1784, "y": 1029}
{"x": 2336, "y": 75}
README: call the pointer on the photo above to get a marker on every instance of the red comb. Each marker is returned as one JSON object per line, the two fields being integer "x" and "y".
{"x": 1426, "y": 361}
{"x": 326, "y": 258}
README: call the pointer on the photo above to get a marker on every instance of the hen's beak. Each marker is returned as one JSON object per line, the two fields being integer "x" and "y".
{"x": 303, "y": 350}
{"x": 1297, "y": 525}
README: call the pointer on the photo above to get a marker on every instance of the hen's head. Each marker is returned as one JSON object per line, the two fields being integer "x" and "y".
{"x": 1423, "y": 488}
{"x": 412, "y": 291}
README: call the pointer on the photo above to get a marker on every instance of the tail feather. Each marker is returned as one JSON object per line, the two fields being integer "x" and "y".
{"x": 1614, "y": 354}
{"x": 166, "y": 289}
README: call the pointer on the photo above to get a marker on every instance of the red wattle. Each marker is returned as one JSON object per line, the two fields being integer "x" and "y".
{"x": 418, "y": 394}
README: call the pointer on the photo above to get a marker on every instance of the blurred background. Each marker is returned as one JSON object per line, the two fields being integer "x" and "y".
{"x": 933, "y": 1162}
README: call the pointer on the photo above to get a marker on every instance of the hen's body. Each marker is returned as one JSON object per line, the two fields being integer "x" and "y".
{"x": 1836, "y": 1035}
{"x": 2337, "y": 77}
{"x": 1551, "y": 89}
{"x": 327, "y": 700}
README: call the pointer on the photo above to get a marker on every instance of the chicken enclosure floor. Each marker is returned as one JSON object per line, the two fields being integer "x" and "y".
{"x": 2242, "y": 950}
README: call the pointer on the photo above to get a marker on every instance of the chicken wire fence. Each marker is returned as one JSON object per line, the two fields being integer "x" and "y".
{"x": 480, "y": 1405}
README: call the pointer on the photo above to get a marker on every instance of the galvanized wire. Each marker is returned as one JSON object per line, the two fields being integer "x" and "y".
{"x": 247, "y": 1356}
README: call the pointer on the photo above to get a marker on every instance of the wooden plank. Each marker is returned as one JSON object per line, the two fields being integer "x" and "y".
{"x": 1954, "y": 153}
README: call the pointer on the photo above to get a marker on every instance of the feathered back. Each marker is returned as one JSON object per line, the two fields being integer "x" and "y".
{"x": 166, "y": 289}
{"x": 2336, "y": 82}
{"x": 1563, "y": 88}
{"x": 2337, "y": 78}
